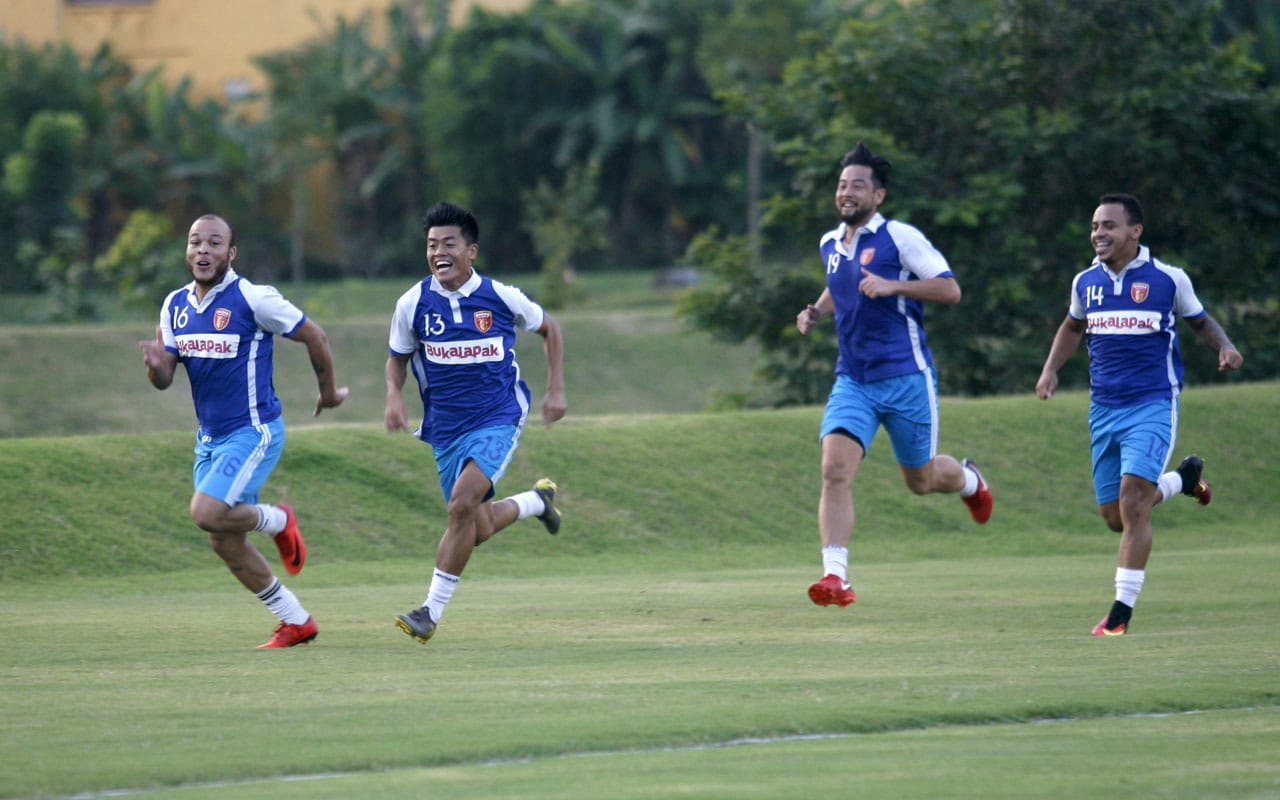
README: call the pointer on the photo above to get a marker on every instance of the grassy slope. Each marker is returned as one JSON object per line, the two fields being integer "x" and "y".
{"x": 704, "y": 488}
{"x": 60, "y": 381}
{"x": 616, "y": 363}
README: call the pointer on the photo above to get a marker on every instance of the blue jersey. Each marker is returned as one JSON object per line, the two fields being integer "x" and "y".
{"x": 882, "y": 337}
{"x": 1130, "y": 326}
{"x": 464, "y": 357}
{"x": 224, "y": 342}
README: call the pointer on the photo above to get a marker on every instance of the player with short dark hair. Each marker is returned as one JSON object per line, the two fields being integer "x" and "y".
{"x": 880, "y": 273}
{"x": 1126, "y": 305}
{"x": 456, "y": 330}
{"x": 220, "y": 328}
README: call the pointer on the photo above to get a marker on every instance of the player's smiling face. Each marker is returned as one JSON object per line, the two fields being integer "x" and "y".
{"x": 1115, "y": 241}
{"x": 209, "y": 252}
{"x": 450, "y": 256}
{"x": 857, "y": 197}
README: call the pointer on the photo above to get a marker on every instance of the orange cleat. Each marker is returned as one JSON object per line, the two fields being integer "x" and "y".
{"x": 1101, "y": 628}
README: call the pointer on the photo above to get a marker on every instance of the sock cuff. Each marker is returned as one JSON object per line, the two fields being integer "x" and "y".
{"x": 268, "y": 594}
{"x": 528, "y": 504}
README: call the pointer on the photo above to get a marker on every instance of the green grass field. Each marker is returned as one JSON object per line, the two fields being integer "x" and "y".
{"x": 662, "y": 645}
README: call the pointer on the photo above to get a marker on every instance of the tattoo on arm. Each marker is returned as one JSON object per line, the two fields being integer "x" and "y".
{"x": 1213, "y": 335}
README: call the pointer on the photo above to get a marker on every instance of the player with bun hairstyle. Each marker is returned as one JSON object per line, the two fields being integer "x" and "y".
{"x": 880, "y": 273}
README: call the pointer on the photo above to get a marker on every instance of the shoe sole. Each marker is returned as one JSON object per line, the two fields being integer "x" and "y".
{"x": 1119, "y": 630}
{"x": 270, "y": 646}
{"x": 407, "y": 628}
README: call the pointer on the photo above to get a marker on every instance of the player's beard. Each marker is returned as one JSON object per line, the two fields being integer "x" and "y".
{"x": 219, "y": 272}
{"x": 858, "y": 218}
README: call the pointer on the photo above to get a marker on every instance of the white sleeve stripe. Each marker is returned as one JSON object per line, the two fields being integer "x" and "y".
{"x": 521, "y": 306}
{"x": 916, "y": 252}
{"x": 271, "y": 311}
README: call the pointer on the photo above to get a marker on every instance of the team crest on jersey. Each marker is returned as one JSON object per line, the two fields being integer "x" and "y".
{"x": 867, "y": 256}
{"x": 221, "y": 318}
{"x": 483, "y": 320}
{"x": 1139, "y": 291}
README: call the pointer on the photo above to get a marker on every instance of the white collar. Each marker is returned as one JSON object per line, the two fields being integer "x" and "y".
{"x": 212, "y": 293}
{"x": 465, "y": 290}
{"x": 1143, "y": 256}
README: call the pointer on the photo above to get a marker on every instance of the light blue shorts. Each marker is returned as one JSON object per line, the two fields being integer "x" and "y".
{"x": 907, "y": 407}
{"x": 491, "y": 449}
{"x": 233, "y": 467}
{"x": 1134, "y": 440}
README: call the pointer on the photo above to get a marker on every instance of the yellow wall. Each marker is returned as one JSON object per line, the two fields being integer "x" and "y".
{"x": 212, "y": 42}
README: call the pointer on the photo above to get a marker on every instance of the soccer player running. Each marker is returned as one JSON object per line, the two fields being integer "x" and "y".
{"x": 457, "y": 329}
{"x": 220, "y": 328}
{"x": 880, "y": 272}
{"x": 1126, "y": 304}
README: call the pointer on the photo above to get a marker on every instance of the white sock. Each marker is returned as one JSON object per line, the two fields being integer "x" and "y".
{"x": 970, "y": 482}
{"x": 283, "y": 603}
{"x": 1129, "y": 584}
{"x": 835, "y": 561}
{"x": 440, "y": 592}
{"x": 271, "y": 519}
{"x": 1169, "y": 484}
{"x": 529, "y": 504}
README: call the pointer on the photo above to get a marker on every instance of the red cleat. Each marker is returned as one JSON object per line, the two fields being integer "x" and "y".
{"x": 980, "y": 502}
{"x": 832, "y": 590}
{"x": 287, "y": 635}
{"x": 293, "y": 550}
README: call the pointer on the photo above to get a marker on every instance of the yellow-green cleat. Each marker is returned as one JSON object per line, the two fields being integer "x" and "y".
{"x": 546, "y": 489}
{"x": 417, "y": 623}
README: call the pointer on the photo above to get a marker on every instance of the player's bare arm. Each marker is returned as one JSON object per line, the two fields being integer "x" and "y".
{"x": 1210, "y": 332}
{"x": 396, "y": 372}
{"x": 930, "y": 290}
{"x": 554, "y": 405}
{"x": 161, "y": 364}
{"x": 1065, "y": 342}
{"x": 313, "y": 336}
{"x": 810, "y": 314}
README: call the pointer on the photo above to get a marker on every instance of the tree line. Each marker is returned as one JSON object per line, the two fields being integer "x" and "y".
{"x": 617, "y": 134}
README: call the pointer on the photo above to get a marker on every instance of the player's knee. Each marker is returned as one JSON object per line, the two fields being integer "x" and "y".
{"x": 836, "y": 478}
{"x": 460, "y": 509}
{"x": 205, "y": 517}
